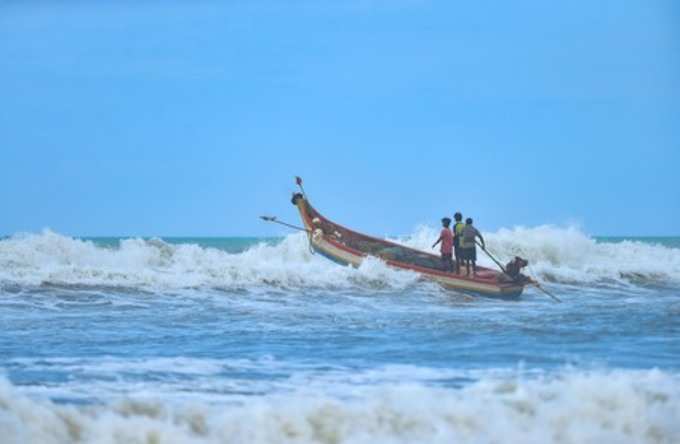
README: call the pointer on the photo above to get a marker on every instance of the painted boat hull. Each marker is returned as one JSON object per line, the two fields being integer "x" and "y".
{"x": 347, "y": 247}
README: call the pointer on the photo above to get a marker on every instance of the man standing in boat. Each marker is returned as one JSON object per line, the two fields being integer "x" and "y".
{"x": 469, "y": 245}
{"x": 446, "y": 239}
{"x": 457, "y": 236}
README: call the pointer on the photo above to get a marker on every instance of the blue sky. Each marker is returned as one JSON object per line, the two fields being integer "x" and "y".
{"x": 142, "y": 118}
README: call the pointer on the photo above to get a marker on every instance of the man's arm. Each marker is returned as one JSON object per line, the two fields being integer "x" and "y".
{"x": 482, "y": 239}
{"x": 438, "y": 240}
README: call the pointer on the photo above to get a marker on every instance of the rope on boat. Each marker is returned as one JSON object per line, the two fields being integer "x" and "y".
{"x": 532, "y": 281}
{"x": 274, "y": 220}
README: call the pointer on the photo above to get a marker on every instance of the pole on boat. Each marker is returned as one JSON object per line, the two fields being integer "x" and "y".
{"x": 298, "y": 181}
{"x": 493, "y": 258}
{"x": 531, "y": 281}
{"x": 273, "y": 219}
{"x": 537, "y": 285}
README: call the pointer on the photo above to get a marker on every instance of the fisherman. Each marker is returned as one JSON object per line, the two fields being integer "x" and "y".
{"x": 469, "y": 245}
{"x": 446, "y": 249}
{"x": 457, "y": 236}
{"x": 514, "y": 269}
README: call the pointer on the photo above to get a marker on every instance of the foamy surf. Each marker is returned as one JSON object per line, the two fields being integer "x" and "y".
{"x": 49, "y": 258}
{"x": 569, "y": 256}
{"x": 573, "y": 407}
{"x": 563, "y": 255}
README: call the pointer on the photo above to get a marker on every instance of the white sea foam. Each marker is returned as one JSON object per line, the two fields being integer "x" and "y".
{"x": 574, "y": 407}
{"x": 557, "y": 254}
{"x": 208, "y": 379}
{"x": 50, "y": 258}
{"x": 567, "y": 255}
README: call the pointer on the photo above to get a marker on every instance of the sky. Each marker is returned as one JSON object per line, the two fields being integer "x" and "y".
{"x": 192, "y": 118}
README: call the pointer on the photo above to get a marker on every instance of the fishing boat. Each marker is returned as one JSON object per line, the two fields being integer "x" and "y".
{"x": 348, "y": 247}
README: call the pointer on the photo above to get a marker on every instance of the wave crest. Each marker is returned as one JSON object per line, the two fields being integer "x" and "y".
{"x": 567, "y": 255}
{"x": 49, "y": 258}
{"x": 617, "y": 406}
{"x": 564, "y": 255}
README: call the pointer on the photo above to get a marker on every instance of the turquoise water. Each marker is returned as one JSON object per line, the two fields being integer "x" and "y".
{"x": 668, "y": 241}
{"x": 228, "y": 244}
{"x": 259, "y": 340}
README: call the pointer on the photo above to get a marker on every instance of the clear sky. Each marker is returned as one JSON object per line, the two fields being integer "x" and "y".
{"x": 191, "y": 118}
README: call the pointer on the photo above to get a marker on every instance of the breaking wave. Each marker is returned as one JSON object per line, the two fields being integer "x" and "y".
{"x": 578, "y": 407}
{"x": 567, "y": 255}
{"x": 49, "y": 258}
{"x": 564, "y": 255}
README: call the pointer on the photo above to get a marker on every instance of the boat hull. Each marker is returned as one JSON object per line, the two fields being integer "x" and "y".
{"x": 343, "y": 246}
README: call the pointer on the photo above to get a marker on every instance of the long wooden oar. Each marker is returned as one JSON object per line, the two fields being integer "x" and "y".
{"x": 273, "y": 219}
{"x": 531, "y": 281}
{"x": 493, "y": 258}
{"x": 537, "y": 285}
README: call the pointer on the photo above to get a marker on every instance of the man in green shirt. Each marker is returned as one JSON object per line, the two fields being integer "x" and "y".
{"x": 457, "y": 235}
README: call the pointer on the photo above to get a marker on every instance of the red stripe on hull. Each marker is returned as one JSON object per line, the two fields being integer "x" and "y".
{"x": 484, "y": 282}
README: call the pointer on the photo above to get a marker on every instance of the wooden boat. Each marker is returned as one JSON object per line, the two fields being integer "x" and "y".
{"x": 345, "y": 246}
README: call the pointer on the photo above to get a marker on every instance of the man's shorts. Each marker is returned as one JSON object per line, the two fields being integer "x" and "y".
{"x": 470, "y": 254}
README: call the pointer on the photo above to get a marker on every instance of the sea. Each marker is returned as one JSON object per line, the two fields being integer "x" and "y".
{"x": 259, "y": 340}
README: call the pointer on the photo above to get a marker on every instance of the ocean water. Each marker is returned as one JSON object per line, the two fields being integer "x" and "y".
{"x": 235, "y": 340}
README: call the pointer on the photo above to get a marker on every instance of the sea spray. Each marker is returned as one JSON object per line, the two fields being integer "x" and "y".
{"x": 49, "y": 258}
{"x": 567, "y": 255}
{"x": 562, "y": 255}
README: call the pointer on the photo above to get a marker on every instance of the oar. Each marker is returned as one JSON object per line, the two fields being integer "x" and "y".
{"x": 493, "y": 258}
{"x": 531, "y": 281}
{"x": 537, "y": 285}
{"x": 276, "y": 221}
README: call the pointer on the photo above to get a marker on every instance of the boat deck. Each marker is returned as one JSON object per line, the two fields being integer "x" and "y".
{"x": 394, "y": 254}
